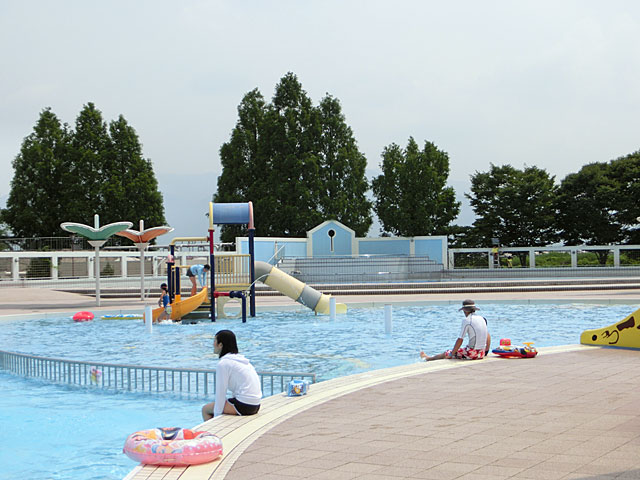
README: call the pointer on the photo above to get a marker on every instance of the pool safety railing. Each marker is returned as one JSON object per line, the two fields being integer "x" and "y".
{"x": 196, "y": 382}
{"x": 362, "y": 268}
{"x": 232, "y": 271}
{"x": 278, "y": 255}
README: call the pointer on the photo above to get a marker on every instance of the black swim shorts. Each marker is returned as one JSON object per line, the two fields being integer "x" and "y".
{"x": 243, "y": 408}
{"x": 190, "y": 273}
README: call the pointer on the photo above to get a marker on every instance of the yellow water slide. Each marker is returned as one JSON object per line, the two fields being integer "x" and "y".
{"x": 180, "y": 308}
{"x": 625, "y": 333}
{"x": 295, "y": 289}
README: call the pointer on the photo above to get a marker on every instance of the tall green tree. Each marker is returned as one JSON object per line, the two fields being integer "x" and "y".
{"x": 584, "y": 205}
{"x": 412, "y": 198}
{"x": 36, "y": 200}
{"x": 597, "y": 205}
{"x": 342, "y": 170}
{"x": 515, "y": 206}
{"x": 245, "y": 160}
{"x": 130, "y": 189}
{"x": 297, "y": 163}
{"x": 69, "y": 175}
{"x": 86, "y": 173}
{"x": 624, "y": 182}
{"x": 293, "y": 170}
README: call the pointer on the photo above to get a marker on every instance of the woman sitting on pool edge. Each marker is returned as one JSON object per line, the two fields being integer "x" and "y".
{"x": 235, "y": 373}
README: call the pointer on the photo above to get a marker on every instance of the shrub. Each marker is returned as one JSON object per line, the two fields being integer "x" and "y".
{"x": 39, "y": 268}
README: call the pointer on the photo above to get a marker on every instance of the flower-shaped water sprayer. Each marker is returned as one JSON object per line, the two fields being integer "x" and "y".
{"x": 141, "y": 239}
{"x": 96, "y": 236}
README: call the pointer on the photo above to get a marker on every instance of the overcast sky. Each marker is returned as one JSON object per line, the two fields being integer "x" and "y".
{"x": 554, "y": 84}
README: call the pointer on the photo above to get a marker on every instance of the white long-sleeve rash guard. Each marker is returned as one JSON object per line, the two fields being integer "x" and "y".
{"x": 235, "y": 373}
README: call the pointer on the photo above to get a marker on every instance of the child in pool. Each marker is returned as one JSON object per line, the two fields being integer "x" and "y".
{"x": 165, "y": 302}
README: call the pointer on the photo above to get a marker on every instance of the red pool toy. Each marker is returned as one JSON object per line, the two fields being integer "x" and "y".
{"x": 510, "y": 351}
{"x": 83, "y": 317}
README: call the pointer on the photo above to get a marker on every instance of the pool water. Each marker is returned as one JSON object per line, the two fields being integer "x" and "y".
{"x": 302, "y": 341}
{"x": 58, "y": 431}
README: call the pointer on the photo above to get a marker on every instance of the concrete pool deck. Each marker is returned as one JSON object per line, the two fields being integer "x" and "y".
{"x": 571, "y": 413}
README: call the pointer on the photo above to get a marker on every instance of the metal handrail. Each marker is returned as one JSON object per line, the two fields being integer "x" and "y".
{"x": 134, "y": 378}
{"x": 232, "y": 270}
{"x": 275, "y": 255}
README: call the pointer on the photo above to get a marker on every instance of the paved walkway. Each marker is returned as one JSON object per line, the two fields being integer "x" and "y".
{"x": 570, "y": 413}
{"x": 567, "y": 415}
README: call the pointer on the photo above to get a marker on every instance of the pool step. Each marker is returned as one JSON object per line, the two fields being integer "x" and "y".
{"x": 469, "y": 289}
{"x": 423, "y": 288}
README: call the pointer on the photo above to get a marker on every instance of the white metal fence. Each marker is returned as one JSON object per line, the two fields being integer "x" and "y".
{"x": 120, "y": 269}
{"x": 545, "y": 257}
{"x": 196, "y": 382}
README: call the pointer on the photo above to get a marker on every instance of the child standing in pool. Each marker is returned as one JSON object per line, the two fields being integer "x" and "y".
{"x": 165, "y": 302}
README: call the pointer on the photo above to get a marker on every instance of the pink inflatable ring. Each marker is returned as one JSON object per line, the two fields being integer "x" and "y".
{"x": 172, "y": 446}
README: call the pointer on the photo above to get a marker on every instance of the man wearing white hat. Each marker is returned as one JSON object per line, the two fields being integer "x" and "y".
{"x": 473, "y": 326}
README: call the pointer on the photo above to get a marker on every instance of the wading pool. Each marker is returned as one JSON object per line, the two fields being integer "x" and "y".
{"x": 57, "y": 431}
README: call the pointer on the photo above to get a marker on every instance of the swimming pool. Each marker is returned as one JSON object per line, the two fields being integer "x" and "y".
{"x": 59, "y": 432}
{"x": 301, "y": 341}
{"x": 95, "y": 423}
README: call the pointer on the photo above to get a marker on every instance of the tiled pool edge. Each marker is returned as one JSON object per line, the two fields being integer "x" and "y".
{"x": 238, "y": 433}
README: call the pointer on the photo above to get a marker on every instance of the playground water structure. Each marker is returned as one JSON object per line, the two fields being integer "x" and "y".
{"x": 236, "y": 277}
{"x": 295, "y": 289}
{"x": 181, "y": 308}
{"x": 351, "y": 343}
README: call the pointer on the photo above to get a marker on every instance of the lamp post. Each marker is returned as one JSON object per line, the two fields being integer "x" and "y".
{"x": 141, "y": 240}
{"x": 96, "y": 236}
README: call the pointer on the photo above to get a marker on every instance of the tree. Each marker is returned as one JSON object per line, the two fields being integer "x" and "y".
{"x": 84, "y": 174}
{"x": 243, "y": 160}
{"x": 65, "y": 175}
{"x": 3, "y": 232}
{"x": 624, "y": 183}
{"x": 36, "y": 202}
{"x": 515, "y": 206}
{"x": 411, "y": 194}
{"x": 585, "y": 213}
{"x": 297, "y": 163}
{"x": 342, "y": 170}
{"x": 597, "y": 205}
{"x": 290, "y": 130}
{"x": 130, "y": 188}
